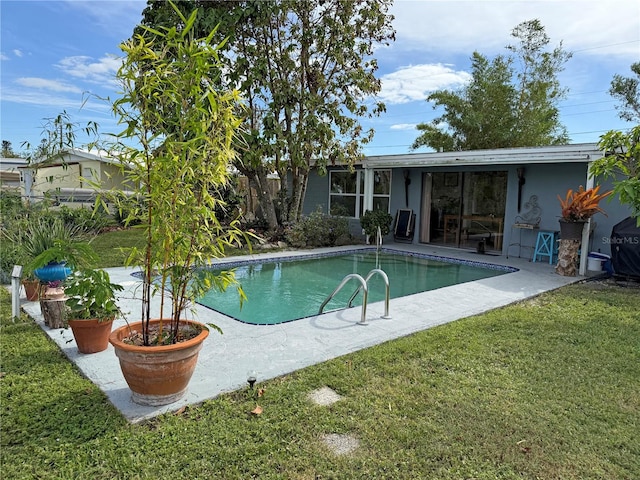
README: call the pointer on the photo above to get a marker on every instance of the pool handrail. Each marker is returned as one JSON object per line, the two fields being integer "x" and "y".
{"x": 363, "y": 316}
{"x": 386, "y": 285}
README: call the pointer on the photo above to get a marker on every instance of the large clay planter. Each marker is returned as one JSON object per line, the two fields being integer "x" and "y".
{"x": 91, "y": 336}
{"x": 157, "y": 375}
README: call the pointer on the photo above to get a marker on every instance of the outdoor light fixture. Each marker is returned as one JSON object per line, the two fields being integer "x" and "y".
{"x": 407, "y": 182}
{"x": 252, "y": 376}
{"x": 521, "y": 182}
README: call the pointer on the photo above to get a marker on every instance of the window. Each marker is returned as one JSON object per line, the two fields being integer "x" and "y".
{"x": 346, "y": 195}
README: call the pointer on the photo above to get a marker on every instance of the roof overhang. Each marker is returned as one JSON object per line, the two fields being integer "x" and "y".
{"x": 579, "y": 153}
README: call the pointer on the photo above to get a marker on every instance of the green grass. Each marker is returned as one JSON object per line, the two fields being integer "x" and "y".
{"x": 115, "y": 246}
{"x": 544, "y": 389}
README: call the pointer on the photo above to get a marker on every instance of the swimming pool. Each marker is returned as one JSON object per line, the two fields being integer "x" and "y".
{"x": 284, "y": 289}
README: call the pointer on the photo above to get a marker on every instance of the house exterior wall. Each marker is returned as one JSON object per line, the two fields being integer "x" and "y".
{"x": 615, "y": 213}
{"x": 111, "y": 178}
{"x": 548, "y": 172}
{"x": 51, "y": 178}
{"x": 546, "y": 181}
{"x": 317, "y": 196}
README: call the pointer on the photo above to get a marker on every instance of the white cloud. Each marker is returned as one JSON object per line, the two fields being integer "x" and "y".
{"x": 3, "y": 56}
{"x": 403, "y": 126}
{"x": 594, "y": 27}
{"x": 45, "y": 84}
{"x": 38, "y": 98}
{"x": 17, "y": 53}
{"x": 415, "y": 83}
{"x": 84, "y": 67}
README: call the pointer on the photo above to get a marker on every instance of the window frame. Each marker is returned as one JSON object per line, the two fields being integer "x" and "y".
{"x": 359, "y": 193}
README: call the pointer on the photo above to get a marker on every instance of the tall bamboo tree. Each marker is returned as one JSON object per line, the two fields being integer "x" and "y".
{"x": 511, "y": 101}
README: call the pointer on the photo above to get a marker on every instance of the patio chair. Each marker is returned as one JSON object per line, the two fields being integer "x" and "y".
{"x": 404, "y": 225}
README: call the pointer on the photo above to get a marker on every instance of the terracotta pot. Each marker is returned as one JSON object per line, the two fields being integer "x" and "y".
{"x": 31, "y": 289}
{"x": 571, "y": 230}
{"x": 91, "y": 336}
{"x": 157, "y": 375}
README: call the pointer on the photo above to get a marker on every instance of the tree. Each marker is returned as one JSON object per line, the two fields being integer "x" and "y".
{"x": 305, "y": 70}
{"x": 622, "y": 164}
{"x": 7, "y": 150}
{"x": 503, "y": 106}
{"x": 627, "y": 91}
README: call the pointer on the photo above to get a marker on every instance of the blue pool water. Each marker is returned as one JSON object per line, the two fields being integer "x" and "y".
{"x": 286, "y": 289}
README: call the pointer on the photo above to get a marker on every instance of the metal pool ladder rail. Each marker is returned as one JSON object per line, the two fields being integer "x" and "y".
{"x": 364, "y": 287}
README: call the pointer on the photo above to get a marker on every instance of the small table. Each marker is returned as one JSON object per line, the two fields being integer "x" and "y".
{"x": 453, "y": 219}
{"x": 519, "y": 227}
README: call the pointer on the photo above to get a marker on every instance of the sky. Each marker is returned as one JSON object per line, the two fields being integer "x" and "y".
{"x": 62, "y": 55}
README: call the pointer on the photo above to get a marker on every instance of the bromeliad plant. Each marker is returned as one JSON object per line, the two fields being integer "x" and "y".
{"x": 581, "y": 205}
{"x": 185, "y": 125}
{"x": 577, "y": 208}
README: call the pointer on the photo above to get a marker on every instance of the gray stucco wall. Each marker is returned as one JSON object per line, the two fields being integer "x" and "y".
{"x": 317, "y": 197}
{"x": 547, "y": 181}
{"x": 317, "y": 193}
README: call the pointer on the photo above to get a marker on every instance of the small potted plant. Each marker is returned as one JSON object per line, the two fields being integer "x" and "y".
{"x": 372, "y": 219}
{"x": 91, "y": 308}
{"x": 577, "y": 207}
{"x": 58, "y": 251}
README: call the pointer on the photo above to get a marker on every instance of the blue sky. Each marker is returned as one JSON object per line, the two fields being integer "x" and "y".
{"x": 53, "y": 51}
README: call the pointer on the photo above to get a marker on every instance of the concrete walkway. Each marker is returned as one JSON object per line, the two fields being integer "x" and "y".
{"x": 274, "y": 350}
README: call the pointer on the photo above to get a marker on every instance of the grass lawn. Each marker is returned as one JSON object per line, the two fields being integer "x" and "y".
{"x": 544, "y": 389}
{"x": 114, "y": 247}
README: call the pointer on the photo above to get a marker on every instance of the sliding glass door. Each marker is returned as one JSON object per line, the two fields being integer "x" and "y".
{"x": 464, "y": 209}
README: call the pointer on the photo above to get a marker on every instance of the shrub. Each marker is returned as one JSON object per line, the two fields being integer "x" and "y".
{"x": 85, "y": 219}
{"x": 319, "y": 230}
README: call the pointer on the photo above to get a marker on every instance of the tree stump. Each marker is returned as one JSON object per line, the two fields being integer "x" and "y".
{"x": 54, "y": 312}
{"x": 568, "y": 257}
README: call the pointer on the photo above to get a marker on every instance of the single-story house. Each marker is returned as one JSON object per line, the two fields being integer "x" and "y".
{"x": 72, "y": 179}
{"x": 10, "y": 173}
{"x": 502, "y": 198}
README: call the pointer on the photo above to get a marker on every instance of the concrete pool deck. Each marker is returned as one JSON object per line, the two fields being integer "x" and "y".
{"x": 275, "y": 350}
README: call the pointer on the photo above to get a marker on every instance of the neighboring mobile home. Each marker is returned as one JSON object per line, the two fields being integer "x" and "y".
{"x": 10, "y": 173}
{"x": 72, "y": 180}
{"x": 461, "y": 199}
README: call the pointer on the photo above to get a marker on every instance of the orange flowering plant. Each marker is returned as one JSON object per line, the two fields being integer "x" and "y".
{"x": 582, "y": 204}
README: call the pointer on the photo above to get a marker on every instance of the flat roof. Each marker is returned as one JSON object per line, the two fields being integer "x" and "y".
{"x": 577, "y": 153}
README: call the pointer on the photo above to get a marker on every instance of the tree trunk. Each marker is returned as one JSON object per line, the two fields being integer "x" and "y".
{"x": 53, "y": 312}
{"x": 568, "y": 257}
{"x": 258, "y": 180}
{"x": 299, "y": 187}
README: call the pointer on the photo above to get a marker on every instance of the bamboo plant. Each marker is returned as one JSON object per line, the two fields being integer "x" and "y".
{"x": 183, "y": 126}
